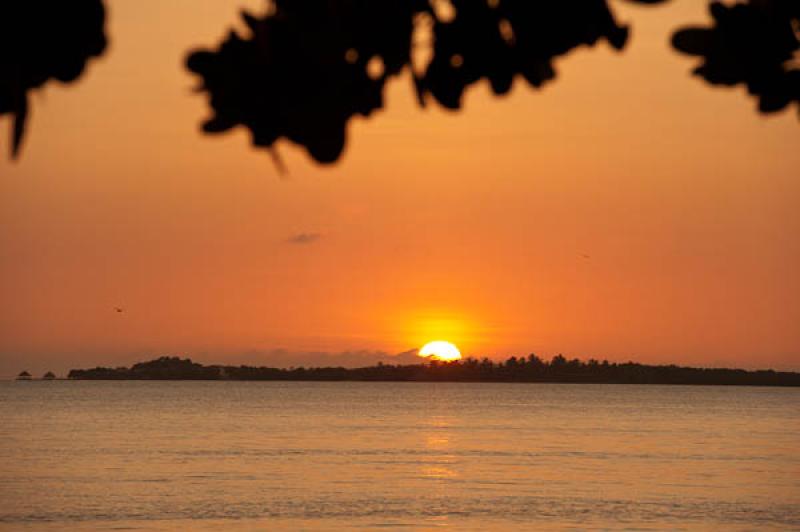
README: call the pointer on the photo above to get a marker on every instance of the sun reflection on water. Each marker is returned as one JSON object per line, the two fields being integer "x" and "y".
{"x": 438, "y": 441}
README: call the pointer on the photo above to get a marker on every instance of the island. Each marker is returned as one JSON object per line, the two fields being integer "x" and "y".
{"x": 516, "y": 369}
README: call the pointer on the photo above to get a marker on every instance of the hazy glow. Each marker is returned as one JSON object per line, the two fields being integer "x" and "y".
{"x": 440, "y": 350}
{"x": 625, "y": 211}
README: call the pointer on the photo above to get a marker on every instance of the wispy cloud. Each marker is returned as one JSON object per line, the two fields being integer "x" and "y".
{"x": 304, "y": 238}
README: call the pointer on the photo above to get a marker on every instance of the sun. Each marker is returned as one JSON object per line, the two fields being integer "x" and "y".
{"x": 440, "y": 350}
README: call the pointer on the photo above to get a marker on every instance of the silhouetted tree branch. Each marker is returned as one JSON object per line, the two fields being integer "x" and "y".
{"x": 308, "y": 66}
{"x": 43, "y": 40}
{"x": 305, "y": 69}
{"x": 754, "y": 44}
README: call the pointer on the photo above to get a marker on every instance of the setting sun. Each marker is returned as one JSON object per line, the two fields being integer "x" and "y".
{"x": 399, "y": 255}
{"x": 440, "y": 350}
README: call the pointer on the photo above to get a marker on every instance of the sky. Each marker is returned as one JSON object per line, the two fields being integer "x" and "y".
{"x": 626, "y": 212}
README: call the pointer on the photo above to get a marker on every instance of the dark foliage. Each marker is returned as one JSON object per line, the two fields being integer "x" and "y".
{"x": 500, "y": 40}
{"x": 303, "y": 73}
{"x": 164, "y": 368}
{"x": 307, "y": 67}
{"x": 529, "y": 369}
{"x": 754, "y": 44}
{"x": 40, "y": 41}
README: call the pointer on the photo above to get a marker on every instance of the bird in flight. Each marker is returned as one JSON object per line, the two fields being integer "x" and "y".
{"x": 118, "y": 309}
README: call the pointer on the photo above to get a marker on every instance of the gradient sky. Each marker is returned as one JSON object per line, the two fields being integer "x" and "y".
{"x": 627, "y": 211}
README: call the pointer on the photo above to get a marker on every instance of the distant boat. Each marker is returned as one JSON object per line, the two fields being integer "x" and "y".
{"x": 24, "y": 376}
{"x": 49, "y": 376}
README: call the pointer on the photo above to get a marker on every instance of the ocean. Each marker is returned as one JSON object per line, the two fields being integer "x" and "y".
{"x": 91, "y": 455}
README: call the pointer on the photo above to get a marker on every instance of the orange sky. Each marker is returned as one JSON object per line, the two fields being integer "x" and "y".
{"x": 470, "y": 227}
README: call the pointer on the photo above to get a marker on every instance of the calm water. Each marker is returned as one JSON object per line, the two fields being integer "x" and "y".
{"x": 266, "y": 456}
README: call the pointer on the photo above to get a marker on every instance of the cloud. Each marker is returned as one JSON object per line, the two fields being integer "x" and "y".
{"x": 304, "y": 238}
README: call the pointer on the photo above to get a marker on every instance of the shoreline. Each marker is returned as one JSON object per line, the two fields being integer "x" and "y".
{"x": 514, "y": 370}
{"x": 582, "y": 383}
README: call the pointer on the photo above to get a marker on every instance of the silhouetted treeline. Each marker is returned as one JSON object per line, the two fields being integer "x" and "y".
{"x": 525, "y": 369}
